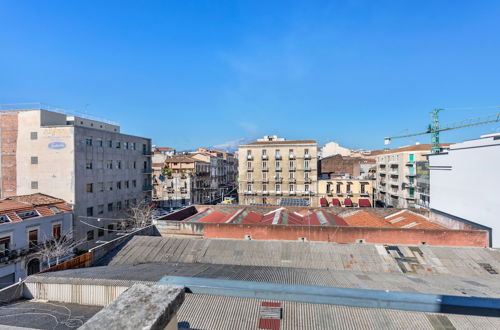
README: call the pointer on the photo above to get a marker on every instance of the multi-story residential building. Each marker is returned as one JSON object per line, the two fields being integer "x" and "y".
{"x": 396, "y": 175}
{"x": 339, "y": 166}
{"x": 345, "y": 192}
{"x": 88, "y": 163}
{"x": 464, "y": 185}
{"x": 163, "y": 151}
{"x": 183, "y": 180}
{"x": 26, "y": 222}
{"x": 272, "y": 168}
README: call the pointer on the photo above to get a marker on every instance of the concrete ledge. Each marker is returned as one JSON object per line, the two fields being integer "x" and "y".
{"x": 140, "y": 307}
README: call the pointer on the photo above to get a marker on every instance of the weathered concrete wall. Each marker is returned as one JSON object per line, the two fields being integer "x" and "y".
{"x": 179, "y": 228}
{"x": 11, "y": 293}
{"x": 443, "y": 237}
{"x": 140, "y": 307}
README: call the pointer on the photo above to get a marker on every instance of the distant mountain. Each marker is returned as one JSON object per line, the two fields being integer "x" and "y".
{"x": 232, "y": 146}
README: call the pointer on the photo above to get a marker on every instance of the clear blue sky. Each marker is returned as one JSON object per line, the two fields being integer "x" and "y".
{"x": 190, "y": 73}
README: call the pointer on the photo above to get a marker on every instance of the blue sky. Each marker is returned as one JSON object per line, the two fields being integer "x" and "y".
{"x": 200, "y": 73}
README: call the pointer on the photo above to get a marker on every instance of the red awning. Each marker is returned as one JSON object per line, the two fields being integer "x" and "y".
{"x": 347, "y": 202}
{"x": 323, "y": 202}
{"x": 363, "y": 202}
{"x": 335, "y": 202}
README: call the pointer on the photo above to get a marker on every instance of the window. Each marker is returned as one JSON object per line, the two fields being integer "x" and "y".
{"x": 264, "y": 176}
{"x": 249, "y": 187}
{"x": 99, "y": 142}
{"x": 56, "y": 231}
{"x": 111, "y": 227}
{"x": 88, "y": 141}
{"x": 306, "y": 164}
{"x": 90, "y": 211}
{"x": 264, "y": 187}
{"x": 362, "y": 188}
{"x": 34, "y": 160}
{"x": 4, "y": 218}
{"x": 291, "y": 187}
{"x": 118, "y": 144}
{"x": 90, "y": 187}
{"x": 134, "y": 183}
{"x": 338, "y": 188}
{"x": 306, "y": 175}
{"x": 90, "y": 235}
{"x": 278, "y": 165}
{"x": 306, "y": 187}
{"x": 100, "y": 209}
{"x": 348, "y": 188}
{"x": 249, "y": 164}
{"x": 126, "y": 184}
{"x": 110, "y": 144}
{"x": 119, "y": 165}
{"x": 134, "y": 164}
{"x": 291, "y": 164}
{"x": 33, "y": 238}
{"x": 291, "y": 175}
{"x": 34, "y": 135}
{"x": 125, "y": 145}
{"x": 278, "y": 187}
{"x": 4, "y": 244}
{"x": 100, "y": 232}
{"x": 88, "y": 165}
{"x": 133, "y": 145}
{"x": 110, "y": 207}
{"x": 249, "y": 152}
{"x": 119, "y": 205}
{"x": 28, "y": 215}
{"x": 264, "y": 165}
{"x": 100, "y": 186}
{"x": 119, "y": 185}
{"x": 127, "y": 203}
{"x": 110, "y": 185}
{"x": 249, "y": 176}
{"x": 34, "y": 184}
{"x": 306, "y": 152}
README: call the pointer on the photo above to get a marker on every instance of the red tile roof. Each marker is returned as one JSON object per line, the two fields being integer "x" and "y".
{"x": 35, "y": 202}
{"x": 366, "y": 219}
{"x": 408, "y": 219}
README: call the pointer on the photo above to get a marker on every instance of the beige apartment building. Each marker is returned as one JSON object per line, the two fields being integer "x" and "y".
{"x": 182, "y": 180}
{"x": 273, "y": 168}
{"x": 345, "y": 192}
{"x": 88, "y": 163}
{"x": 396, "y": 175}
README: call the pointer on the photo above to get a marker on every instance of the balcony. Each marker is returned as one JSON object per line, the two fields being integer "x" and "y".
{"x": 394, "y": 183}
{"x": 265, "y": 192}
{"x": 184, "y": 191}
{"x": 265, "y": 169}
{"x": 410, "y": 163}
{"x": 307, "y": 169}
{"x": 291, "y": 156}
{"x": 279, "y": 192}
{"x": 266, "y": 180}
{"x": 292, "y": 180}
{"x": 364, "y": 193}
{"x": 394, "y": 193}
{"x": 292, "y": 193}
{"x": 264, "y": 157}
{"x": 249, "y": 169}
{"x": 382, "y": 182}
{"x": 278, "y": 169}
{"x": 292, "y": 169}
{"x": 307, "y": 180}
{"x": 307, "y": 156}
{"x": 249, "y": 157}
{"x": 277, "y": 157}
{"x": 349, "y": 193}
{"x": 170, "y": 190}
{"x": 279, "y": 180}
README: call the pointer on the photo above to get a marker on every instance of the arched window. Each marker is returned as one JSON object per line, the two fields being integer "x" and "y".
{"x": 33, "y": 266}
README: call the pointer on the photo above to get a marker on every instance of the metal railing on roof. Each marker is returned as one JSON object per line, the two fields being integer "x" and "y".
{"x": 47, "y": 107}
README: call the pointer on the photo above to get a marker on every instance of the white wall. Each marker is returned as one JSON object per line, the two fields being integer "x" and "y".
{"x": 465, "y": 182}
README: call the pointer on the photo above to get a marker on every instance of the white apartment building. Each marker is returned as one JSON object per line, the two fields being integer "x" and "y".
{"x": 396, "y": 176}
{"x": 272, "y": 168}
{"x": 26, "y": 222}
{"x": 90, "y": 164}
{"x": 464, "y": 185}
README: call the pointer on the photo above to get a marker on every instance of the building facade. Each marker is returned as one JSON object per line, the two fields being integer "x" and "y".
{"x": 396, "y": 176}
{"x": 345, "y": 192}
{"x": 26, "y": 222}
{"x": 463, "y": 184}
{"x": 273, "y": 168}
{"x": 90, "y": 164}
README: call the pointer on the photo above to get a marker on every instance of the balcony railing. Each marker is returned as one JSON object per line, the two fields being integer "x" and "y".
{"x": 292, "y": 169}
{"x": 278, "y": 169}
{"x": 249, "y": 169}
{"x": 280, "y": 179}
{"x": 292, "y": 180}
{"x": 307, "y": 169}
{"x": 291, "y": 156}
{"x": 293, "y": 192}
{"x": 265, "y": 169}
{"x": 307, "y": 156}
{"x": 307, "y": 180}
{"x": 277, "y": 157}
{"x": 264, "y": 157}
{"x": 249, "y": 157}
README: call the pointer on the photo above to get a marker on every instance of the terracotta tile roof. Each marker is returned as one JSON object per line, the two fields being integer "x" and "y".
{"x": 252, "y": 217}
{"x": 180, "y": 159}
{"x": 366, "y": 219}
{"x": 408, "y": 219}
{"x": 35, "y": 202}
